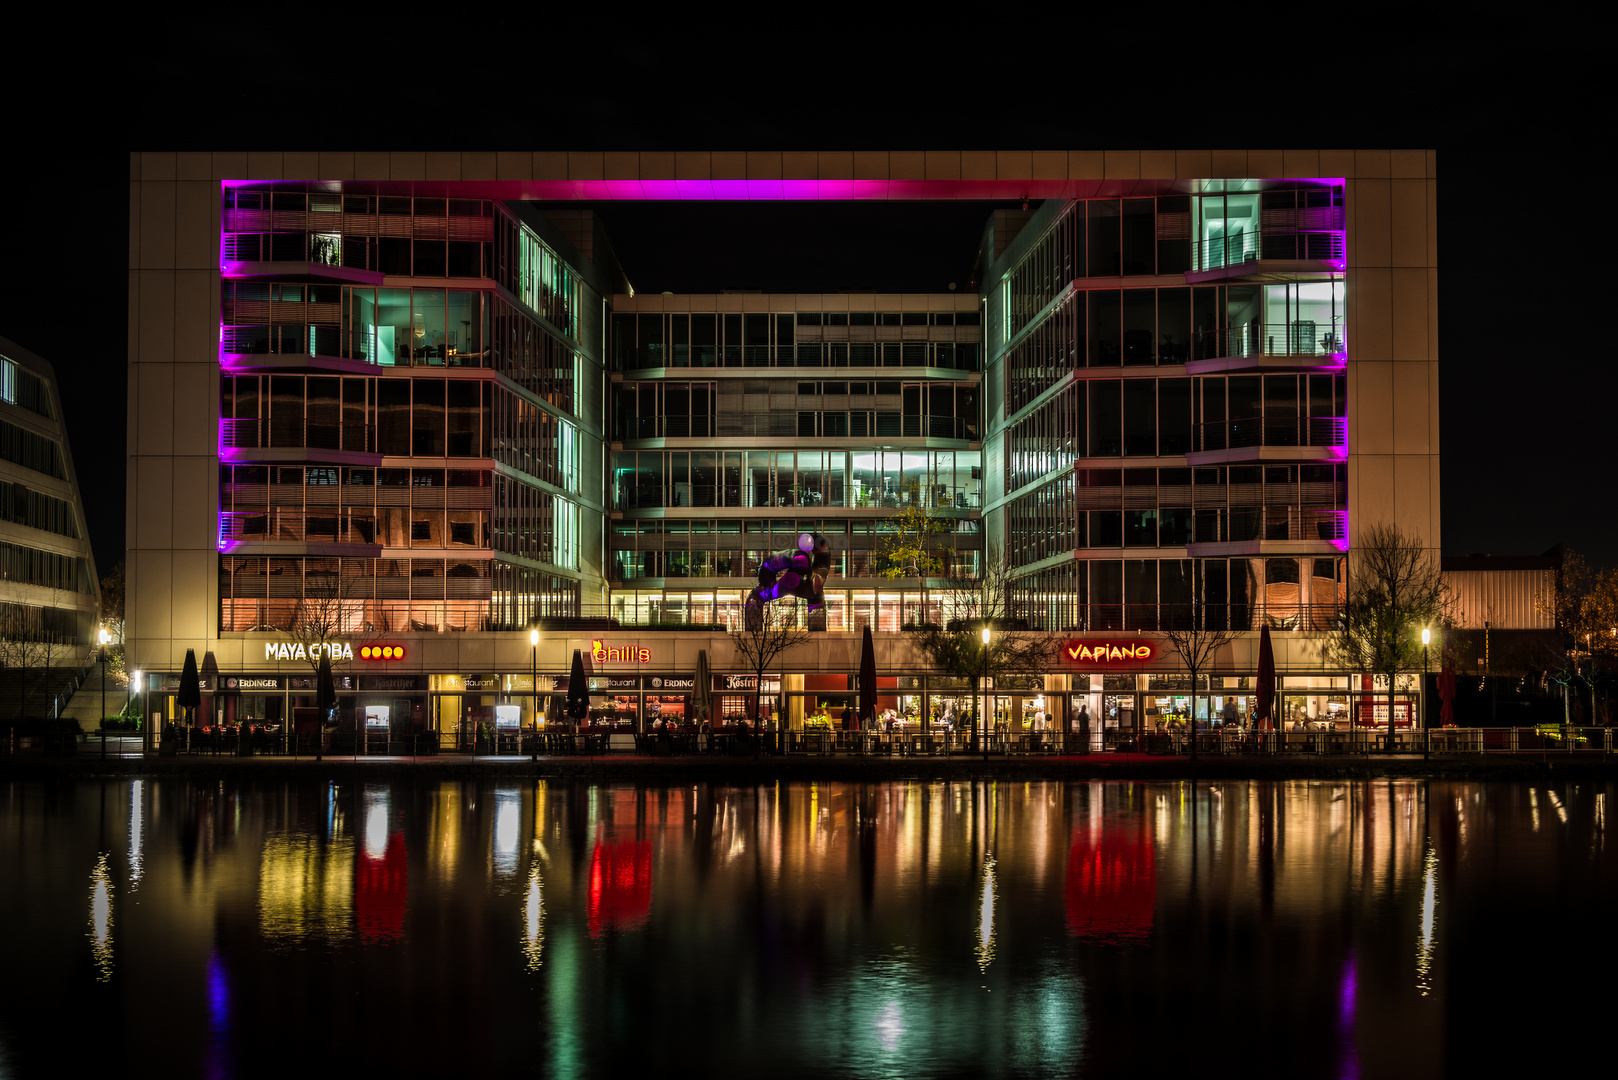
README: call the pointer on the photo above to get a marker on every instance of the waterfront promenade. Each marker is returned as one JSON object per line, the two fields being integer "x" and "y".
{"x": 748, "y": 768}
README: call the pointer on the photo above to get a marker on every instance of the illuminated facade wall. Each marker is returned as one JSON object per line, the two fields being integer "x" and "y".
{"x": 740, "y": 421}
{"x": 1188, "y": 383}
{"x": 402, "y": 317}
{"x": 49, "y": 591}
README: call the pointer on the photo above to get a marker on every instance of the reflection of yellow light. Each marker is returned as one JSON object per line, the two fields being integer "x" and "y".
{"x": 1424, "y": 951}
{"x": 985, "y": 947}
{"x": 533, "y": 938}
{"x": 306, "y": 892}
{"x": 101, "y": 919}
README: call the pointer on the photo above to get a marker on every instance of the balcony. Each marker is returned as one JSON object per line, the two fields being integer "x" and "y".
{"x": 651, "y": 496}
{"x": 1288, "y": 255}
{"x": 1268, "y": 530}
{"x": 1306, "y": 345}
{"x": 1262, "y": 439}
{"x": 297, "y": 440}
{"x": 271, "y": 533}
{"x": 306, "y": 346}
{"x": 799, "y": 424}
{"x": 312, "y": 270}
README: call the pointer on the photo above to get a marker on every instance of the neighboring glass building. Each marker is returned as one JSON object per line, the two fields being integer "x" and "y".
{"x": 49, "y": 592}
{"x": 443, "y": 416}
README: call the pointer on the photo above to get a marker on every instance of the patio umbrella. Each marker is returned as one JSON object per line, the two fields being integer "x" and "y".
{"x": 1264, "y": 710}
{"x": 867, "y": 677}
{"x": 578, "y": 690}
{"x": 702, "y": 690}
{"x": 190, "y": 696}
{"x": 1446, "y": 694}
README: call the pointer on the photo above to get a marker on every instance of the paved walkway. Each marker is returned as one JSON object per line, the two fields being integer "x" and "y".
{"x": 124, "y": 759}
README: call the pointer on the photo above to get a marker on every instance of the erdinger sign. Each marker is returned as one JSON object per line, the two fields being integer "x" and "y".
{"x": 1108, "y": 651}
{"x": 602, "y": 653}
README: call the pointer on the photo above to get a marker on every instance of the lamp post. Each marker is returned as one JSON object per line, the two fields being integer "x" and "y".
{"x": 104, "y": 638}
{"x": 1426, "y": 725}
{"x": 983, "y": 728}
{"x": 129, "y": 699}
{"x": 533, "y": 684}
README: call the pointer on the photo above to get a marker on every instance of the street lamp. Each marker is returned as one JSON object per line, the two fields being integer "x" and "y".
{"x": 105, "y": 637}
{"x": 983, "y": 728}
{"x": 1426, "y": 725}
{"x": 129, "y": 698}
{"x": 533, "y": 684}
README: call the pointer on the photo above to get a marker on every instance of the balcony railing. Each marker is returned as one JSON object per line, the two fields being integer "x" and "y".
{"x": 630, "y": 496}
{"x": 294, "y": 339}
{"x": 800, "y": 424}
{"x": 1269, "y": 523}
{"x": 297, "y": 433}
{"x": 1254, "y": 431}
{"x": 1305, "y": 337}
{"x": 1242, "y": 248}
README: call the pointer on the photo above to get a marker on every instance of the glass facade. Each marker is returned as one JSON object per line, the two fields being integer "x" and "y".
{"x": 430, "y": 476}
{"x": 1237, "y": 495}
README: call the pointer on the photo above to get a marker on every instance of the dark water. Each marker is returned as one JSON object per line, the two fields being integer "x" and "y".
{"x": 1154, "y": 929}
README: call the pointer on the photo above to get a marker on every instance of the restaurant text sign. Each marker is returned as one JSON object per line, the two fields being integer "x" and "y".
{"x": 1107, "y": 651}
{"x": 603, "y": 653}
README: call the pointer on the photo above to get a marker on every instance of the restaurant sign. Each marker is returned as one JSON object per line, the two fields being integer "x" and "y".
{"x": 672, "y": 682}
{"x": 297, "y": 650}
{"x": 1108, "y": 651}
{"x": 252, "y": 684}
{"x": 602, "y": 653}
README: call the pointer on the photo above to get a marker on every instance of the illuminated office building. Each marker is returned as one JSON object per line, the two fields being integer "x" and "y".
{"x": 433, "y": 408}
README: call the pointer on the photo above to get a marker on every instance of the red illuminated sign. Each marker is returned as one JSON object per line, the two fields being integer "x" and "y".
{"x": 1108, "y": 651}
{"x": 382, "y": 652}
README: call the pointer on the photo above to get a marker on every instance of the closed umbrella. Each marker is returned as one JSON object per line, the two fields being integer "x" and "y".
{"x": 867, "y": 677}
{"x": 1446, "y": 694}
{"x": 1264, "y": 710}
{"x": 702, "y": 691}
{"x": 325, "y": 698}
{"x": 578, "y": 690}
{"x": 190, "y": 696}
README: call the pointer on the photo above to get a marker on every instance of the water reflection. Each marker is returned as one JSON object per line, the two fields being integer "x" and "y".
{"x": 101, "y": 919}
{"x": 840, "y": 928}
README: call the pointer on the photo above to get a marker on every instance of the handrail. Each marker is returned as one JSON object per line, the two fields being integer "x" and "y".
{"x": 1301, "y": 337}
{"x": 1323, "y": 245}
{"x": 297, "y": 432}
{"x": 629, "y": 496}
{"x": 1254, "y": 431}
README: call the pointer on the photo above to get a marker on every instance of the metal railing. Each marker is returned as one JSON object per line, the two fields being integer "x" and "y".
{"x": 1543, "y": 742}
{"x": 1254, "y": 431}
{"x": 1305, "y": 337}
{"x": 800, "y": 423}
{"x": 1238, "y": 525}
{"x": 297, "y": 432}
{"x": 307, "y": 339}
{"x": 630, "y": 496}
{"x": 1246, "y": 247}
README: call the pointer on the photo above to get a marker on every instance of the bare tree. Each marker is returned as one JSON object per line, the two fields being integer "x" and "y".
{"x": 1584, "y": 602}
{"x": 761, "y": 637}
{"x": 957, "y": 647}
{"x": 1198, "y": 635}
{"x": 327, "y": 613}
{"x": 1395, "y": 588}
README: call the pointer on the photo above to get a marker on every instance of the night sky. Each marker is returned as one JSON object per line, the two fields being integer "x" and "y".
{"x": 1526, "y": 402}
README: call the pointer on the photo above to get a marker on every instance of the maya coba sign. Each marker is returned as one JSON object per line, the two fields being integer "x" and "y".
{"x": 297, "y": 650}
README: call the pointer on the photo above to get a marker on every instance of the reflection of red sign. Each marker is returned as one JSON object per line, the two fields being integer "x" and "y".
{"x": 380, "y": 891}
{"x": 1104, "y": 651}
{"x": 1111, "y": 888}
{"x": 620, "y": 885}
